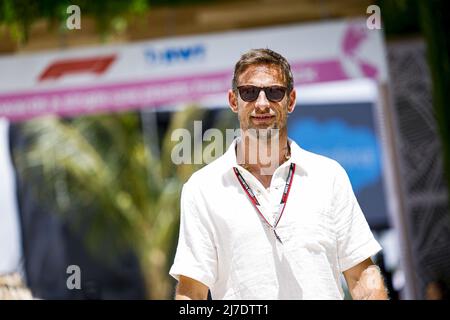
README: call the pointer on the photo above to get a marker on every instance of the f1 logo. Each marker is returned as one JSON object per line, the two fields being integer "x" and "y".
{"x": 97, "y": 65}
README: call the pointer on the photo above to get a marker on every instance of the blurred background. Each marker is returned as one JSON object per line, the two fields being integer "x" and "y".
{"x": 90, "y": 97}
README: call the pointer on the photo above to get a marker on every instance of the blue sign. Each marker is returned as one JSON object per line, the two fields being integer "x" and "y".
{"x": 347, "y": 134}
{"x": 355, "y": 148}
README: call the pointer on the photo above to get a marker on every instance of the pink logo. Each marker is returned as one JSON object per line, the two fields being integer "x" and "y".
{"x": 353, "y": 39}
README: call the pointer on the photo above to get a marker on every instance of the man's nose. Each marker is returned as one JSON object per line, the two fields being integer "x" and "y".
{"x": 262, "y": 102}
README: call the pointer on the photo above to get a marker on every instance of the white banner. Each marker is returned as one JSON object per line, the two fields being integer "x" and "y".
{"x": 181, "y": 69}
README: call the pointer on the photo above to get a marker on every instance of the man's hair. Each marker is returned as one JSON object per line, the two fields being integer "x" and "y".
{"x": 263, "y": 57}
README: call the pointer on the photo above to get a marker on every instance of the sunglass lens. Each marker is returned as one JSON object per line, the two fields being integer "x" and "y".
{"x": 249, "y": 93}
{"x": 275, "y": 93}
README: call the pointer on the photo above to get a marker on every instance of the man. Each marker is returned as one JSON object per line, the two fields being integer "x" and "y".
{"x": 239, "y": 240}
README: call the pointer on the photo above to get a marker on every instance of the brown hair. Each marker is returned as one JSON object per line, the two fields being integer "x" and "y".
{"x": 267, "y": 57}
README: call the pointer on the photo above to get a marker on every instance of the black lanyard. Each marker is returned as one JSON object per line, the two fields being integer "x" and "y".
{"x": 255, "y": 202}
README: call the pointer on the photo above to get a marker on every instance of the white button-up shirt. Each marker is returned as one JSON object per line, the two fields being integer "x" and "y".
{"x": 225, "y": 244}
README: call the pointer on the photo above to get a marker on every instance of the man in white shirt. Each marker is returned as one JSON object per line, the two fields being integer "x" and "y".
{"x": 239, "y": 240}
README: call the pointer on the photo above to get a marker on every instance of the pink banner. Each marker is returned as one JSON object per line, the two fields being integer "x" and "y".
{"x": 115, "y": 97}
{"x": 151, "y": 93}
{"x": 314, "y": 72}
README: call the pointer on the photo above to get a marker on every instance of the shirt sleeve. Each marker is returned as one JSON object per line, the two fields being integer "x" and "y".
{"x": 355, "y": 241}
{"x": 196, "y": 254}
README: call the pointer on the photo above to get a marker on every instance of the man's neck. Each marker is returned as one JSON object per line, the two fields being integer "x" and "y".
{"x": 262, "y": 155}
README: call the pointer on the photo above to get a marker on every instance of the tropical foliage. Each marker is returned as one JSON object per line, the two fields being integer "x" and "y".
{"x": 19, "y": 15}
{"x": 98, "y": 170}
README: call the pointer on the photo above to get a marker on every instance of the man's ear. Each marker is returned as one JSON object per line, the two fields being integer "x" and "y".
{"x": 233, "y": 101}
{"x": 292, "y": 100}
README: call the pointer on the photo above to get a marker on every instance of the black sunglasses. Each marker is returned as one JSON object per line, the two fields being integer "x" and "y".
{"x": 251, "y": 93}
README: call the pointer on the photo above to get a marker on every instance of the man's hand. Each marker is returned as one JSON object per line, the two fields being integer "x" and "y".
{"x": 365, "y": 282}
{"x": 190, "y": 289}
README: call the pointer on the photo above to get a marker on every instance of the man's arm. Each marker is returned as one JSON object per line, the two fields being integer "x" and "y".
{"x": 365, "y": 282}
{"x": 190, "y": 289}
